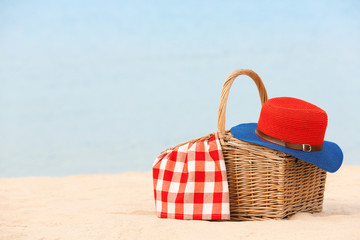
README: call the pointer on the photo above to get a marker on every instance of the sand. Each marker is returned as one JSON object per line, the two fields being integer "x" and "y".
{"x": 122, "y": 207}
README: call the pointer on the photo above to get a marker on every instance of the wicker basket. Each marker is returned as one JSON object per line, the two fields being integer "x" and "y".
{"x": 265, "y": 183}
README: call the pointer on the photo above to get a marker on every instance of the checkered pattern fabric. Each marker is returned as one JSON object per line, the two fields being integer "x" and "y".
{"x": 190, "y": 182}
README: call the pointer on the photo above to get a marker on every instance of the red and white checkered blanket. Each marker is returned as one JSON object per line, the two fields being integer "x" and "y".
{"x": 190, "y": 182}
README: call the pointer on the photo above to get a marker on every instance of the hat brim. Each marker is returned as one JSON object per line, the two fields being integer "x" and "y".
{"x": 329, "y": 158}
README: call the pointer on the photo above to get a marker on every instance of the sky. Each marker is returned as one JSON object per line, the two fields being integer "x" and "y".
{"x": 105, "y": 86}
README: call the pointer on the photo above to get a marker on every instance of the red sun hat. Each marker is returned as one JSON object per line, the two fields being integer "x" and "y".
{"x": 295, "y": 127}
{"x": 293, "y": 121}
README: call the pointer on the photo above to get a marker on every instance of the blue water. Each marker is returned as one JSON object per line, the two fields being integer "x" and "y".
{"x": 92, "y": 87}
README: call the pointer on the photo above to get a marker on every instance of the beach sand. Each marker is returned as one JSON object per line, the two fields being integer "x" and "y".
{"x": 122, "y": 207}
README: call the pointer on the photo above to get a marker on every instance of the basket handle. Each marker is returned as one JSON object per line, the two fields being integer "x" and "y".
{"x": 226, "y": 89}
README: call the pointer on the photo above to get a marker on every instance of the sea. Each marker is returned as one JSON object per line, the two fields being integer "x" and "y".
{"x": 103, "y": 89}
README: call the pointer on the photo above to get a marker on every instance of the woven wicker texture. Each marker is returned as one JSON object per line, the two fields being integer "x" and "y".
{"x": 265, "y": 183}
